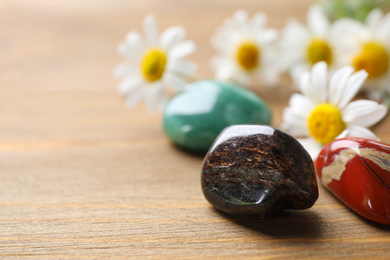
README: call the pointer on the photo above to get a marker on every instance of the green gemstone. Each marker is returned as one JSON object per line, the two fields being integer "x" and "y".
{"x": 195, "y": 117}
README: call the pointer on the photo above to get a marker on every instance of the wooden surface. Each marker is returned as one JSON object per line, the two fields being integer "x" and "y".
{"x": 82, "y": 177}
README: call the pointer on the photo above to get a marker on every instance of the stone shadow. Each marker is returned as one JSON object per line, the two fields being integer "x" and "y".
{"x": 371, "y": 223}
{"x": 289, "y": 224}
{"x": 189, "y": 152}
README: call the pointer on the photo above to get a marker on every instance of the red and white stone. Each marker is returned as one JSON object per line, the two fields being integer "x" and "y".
{"x": 357, "y": 171}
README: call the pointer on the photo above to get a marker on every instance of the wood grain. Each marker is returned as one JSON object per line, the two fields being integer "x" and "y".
{"x": 82, "y": 177}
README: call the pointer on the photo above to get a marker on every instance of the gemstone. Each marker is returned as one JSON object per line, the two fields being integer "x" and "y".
{"x": 357, "y": 172}
{"x": 257, "y": 171}
{"x": 194, "y": 117}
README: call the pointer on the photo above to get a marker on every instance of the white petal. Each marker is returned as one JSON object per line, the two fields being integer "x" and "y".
{"x": 294, "y": 35}
{"x": 182, "y": 67}
{"x": 348, "y": 34}
{"x": 162, "y": 100}
{"x": 359, "y": 131}
{"x": 134, "y": 39}
{"x": 301, "y": 104}
{"x": 241, "y": 18}
{"x": 259, "y": 21}
{"x": 241, "y": 79}
{"x": 268, "y": 36}
{"x": 304, "y": 84}
{"x": 133, "y": 98}
{"x": 123, "y": 49}
{"x": 364, "y": 113}
{"x": 240, "y": 15}
{"x": 294, "y": 116}
{"x": 133, "y": 47}
{"x": 338, "y": 83}
{"x": 373, "y": 18}
{"x": 316, "y": 93}
{"x": 352, "y": 87}
{"x": 182, "y": 49}
{"x": 172, "y": 36}
{"x": 383, "y": 31}
{"x": 151, "y": 30}
{"x": 294, "y": 122}
{"x": 312, "y": 147}
{"x": 129, "y": 84}
{"x": 125, "y": 69}
{"x": 155, "y": 97}
{"x": 317, "y": 20}
{"x": 294, "y": 128}
{"x": 319, "y": 81}
{"x": 175, "y": 82}
{"x": 343, "y": 134}
{"x": 224, "y": 72}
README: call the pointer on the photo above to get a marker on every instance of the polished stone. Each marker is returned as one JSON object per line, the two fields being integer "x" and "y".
{"x": 357, "y": 171}
{"x": 257, "y": 171}
{"x": 195, "y": 117}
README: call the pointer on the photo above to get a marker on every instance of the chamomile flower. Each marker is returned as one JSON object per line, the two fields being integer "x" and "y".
{"x": 155, "y": 66}
{"x": 367, "y": 46}
{"x": 324, "y": 111}
{"x": 302, "y": 46}
{"x": 245, "y": 50}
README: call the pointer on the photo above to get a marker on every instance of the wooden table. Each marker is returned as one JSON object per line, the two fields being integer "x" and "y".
{"x": 82, "y": 177}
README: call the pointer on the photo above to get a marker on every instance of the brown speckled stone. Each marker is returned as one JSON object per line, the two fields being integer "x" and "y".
{"x": 254, "y": 170}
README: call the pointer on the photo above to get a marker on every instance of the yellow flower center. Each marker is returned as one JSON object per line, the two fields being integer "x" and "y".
{"x": 373, "y": 58}
{"x": 325, "y": 123}
{"x": 248, "y": 55}
{"x": 319, "y": 50}
{"x": 153, "y": 64}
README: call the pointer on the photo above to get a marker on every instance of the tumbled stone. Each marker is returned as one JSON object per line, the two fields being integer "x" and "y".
{"x": 195, "y": 117}
{"x": 258, "y": 171}
{"x": 357, "y": 171}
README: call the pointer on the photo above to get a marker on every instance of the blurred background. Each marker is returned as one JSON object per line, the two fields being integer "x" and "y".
{"x": 82, "y": 176}
{"x": 57, "y": 60}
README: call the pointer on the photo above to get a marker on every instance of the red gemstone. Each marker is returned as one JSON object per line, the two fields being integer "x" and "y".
{"x": 357, "y": 171}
